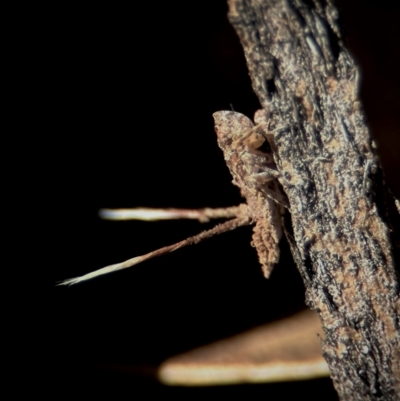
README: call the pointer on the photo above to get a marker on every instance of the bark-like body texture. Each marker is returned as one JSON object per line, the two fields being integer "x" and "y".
{"x": 253, "y": 171}
{"x": 307, "y": 83}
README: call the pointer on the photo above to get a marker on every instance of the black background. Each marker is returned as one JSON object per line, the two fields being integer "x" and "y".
{"x": 137, "y": 87}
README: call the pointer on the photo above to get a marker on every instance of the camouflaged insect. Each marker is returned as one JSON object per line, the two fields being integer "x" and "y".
{"x": 248, "y": 155}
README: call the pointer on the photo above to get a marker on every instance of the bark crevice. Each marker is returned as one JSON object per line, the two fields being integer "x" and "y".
{"x": 307, "y": 83}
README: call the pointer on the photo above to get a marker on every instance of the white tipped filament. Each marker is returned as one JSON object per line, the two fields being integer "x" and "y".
{"x": 218, "y": 229}
{"x": 147, "y": 214}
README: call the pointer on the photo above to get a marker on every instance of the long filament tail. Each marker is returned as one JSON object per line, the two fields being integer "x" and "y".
{"x": 148, "y": 214}
{"x": 218, "y": 229}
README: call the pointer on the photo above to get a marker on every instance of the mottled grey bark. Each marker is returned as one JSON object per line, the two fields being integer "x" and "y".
{"x": 307, "y": 83}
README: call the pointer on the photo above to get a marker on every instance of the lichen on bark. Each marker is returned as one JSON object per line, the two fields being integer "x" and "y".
{"x": 307, "y": 83}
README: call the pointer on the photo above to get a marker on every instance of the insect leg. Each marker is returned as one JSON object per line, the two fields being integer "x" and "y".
{"x": 270, "y": 189}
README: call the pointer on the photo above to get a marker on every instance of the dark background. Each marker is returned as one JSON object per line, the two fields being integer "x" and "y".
{"x": 137, "y": 89}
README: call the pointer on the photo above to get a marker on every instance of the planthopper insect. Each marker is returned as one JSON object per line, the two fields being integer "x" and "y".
{"x": 248, "y": 155}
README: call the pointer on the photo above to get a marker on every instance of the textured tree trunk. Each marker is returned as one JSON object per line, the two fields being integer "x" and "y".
{"x": 307, "y": 83}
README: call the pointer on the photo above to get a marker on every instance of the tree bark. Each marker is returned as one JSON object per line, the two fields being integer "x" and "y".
{"x": 307, "y": 83}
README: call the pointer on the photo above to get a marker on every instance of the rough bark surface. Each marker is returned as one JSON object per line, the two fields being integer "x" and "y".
{"x": 307, "y": 83}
